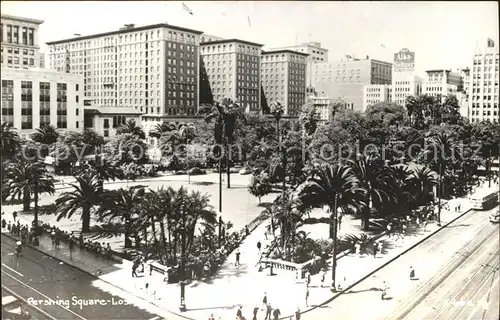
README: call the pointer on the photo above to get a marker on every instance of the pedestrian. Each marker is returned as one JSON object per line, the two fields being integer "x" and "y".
{"x": 237, "y": 263}
{"x": 53, "y": 238}
{"x": 307, "y": 296}
{"x": 4, "y": 223}
{"x": 57, "y": 241}
{"x": 269, "y": 309}
{"x": 276, "y": 314}
{"x": 425, "y": 225}
{"x": 389, "y": 230}
{"x": 239, "y": 314}
{"x": 9, "y": 226}
{"x": 323, "y": 276}
{"x": 418, "y": 221}
{"x": 375, "y": 248}
{"x": 297, "y": 314}
{"x": 264, "y": 301}
{"x": 255, "y": 311}
{"x": 134, "y": 269}
{"x": 308, "y": 278}
{"x": 459, "y": 205}
{"x": 211, "y": 317}
{"x": 14, "y": 215}
{"x": 71, "y": 246}
{"x": 380, "y": 247}
{"x": 259, "y": 245}
{"x": 384, "y": 290}
{"x": 412, "y": 273}
{"x": 357, "y": 246}
{"x": 247, "y": 232}
{"x": 404, "y": 229}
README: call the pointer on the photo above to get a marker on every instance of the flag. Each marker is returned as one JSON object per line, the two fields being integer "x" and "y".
{"x": 186, "y": 8}
{"x": 249, "y": 23}
{"x": 491, "y": 43}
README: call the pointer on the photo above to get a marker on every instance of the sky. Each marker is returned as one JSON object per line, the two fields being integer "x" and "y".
{"x": 442, "y": 34}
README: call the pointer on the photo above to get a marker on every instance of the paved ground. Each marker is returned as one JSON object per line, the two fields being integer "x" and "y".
{"x": 39, "y": 278}
{"x": 445, "y": 255}
{"x": 15, "y": 308}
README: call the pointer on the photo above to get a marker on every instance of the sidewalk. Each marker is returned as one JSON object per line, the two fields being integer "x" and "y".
{"x": 243, "y": 285}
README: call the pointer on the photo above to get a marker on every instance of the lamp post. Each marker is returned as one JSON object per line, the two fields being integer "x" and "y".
{"x": 182, "y": 306}
{"x": 334, "y": 249}
{"x": 219, "y": 237}
{"x": 439, "y": 194}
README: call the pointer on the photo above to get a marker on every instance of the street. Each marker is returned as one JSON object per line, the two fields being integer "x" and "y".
{"x": 457, "y": 275}
{"x": 59, "y": 290}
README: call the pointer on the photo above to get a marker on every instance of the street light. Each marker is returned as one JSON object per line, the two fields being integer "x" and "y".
{"x": 335, "y": 212}
{"x": 439, "y": 194}
{"x": 182, "y": 306}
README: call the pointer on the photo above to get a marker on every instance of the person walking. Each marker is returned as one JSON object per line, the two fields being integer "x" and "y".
{"x": 211, "y": 317}
{"x": 384, "y": 291}
{"x": 375, "y": 249}
{"x": 412, "y": 273}
{"x": 308, "y": 278}
{"x": 134, "y": 269}
{"x": 259, "y": 245}
{"x": 276, "y": 314}
{"x": 237, "y": 263}
{"x": 297, "y": 314}
{"x": 255, "y": 311}
{"x": 307, "y": 296}
{"x": 239, "y": 313}
{"x": 380, "y": 247}
{"x": 323, "y": 276}
{"x": 269, "y": 309}
{"x": 14, "y": 215}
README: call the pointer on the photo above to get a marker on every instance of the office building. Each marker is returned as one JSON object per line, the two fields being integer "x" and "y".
{"x": 405, "y": 81}
{"x": 441, "y": 83}
{"x": 19, "y": 39}
{"x": 35, "y": 97}
{"x": 231, "y": 69}
{"x": 152, "y": 69}
{"x": 284, "y": 79}
{"x": 484, "y": 95}
{"x": 325, "y": 107}
{"x": 346, "y": 79}
{"x": 316, "y": 54}
{"x": 375, "y": 93}
{"x": 208, "y": 38}
{"x": 463, "y": 96}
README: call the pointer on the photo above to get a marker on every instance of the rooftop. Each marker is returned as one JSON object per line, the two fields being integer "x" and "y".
{"x": 22, "y": 19}
{"x": 285, "y": 51}
{"x": 125, "y": 30}
{"x": 111, "y": 110}
{"x": 231, "y": 40}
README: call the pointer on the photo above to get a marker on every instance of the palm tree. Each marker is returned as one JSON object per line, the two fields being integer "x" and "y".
{"x": 103, "y": 170}
{"x": 124, "y": 205}
{"x": 309, "y": 118}
{"x": 11, "y": 142}
{"x": 86, "y": 195}
{"x": 162, "y": 128}
{"x": 131, "y": 127}
{"x": 226, "y": 115}
{"x": 198, "y": 210}
{"x": 422, "y": 181}
{"x": 401, "y": 186}
{"x": 24, "y": 179}
{"x": 336, "y": 187}
{"x": 166, "y": 212}
{"x": 373, "y": 177}
{"x": 288, "y": 215}
{"x": 47, "y": 135}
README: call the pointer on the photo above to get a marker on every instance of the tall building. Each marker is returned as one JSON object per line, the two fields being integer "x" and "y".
{"x": 463, "y": 96}
{"x": 440, "y": 83}
{"x": 207, "y": 38}
{"x": 316, "y": 54}
{"x": 32, "y": 98}
{"x": 405, "y": 82}
{"x": 375, "y": 93}
{"x": 231, "y": 69}
{"x": 484, "y": 95}
{"x": 284, "y": 79}
{"x": 19, "y": 38}
{"x": 346, "y": 79}
{"x": 152, "y": 69}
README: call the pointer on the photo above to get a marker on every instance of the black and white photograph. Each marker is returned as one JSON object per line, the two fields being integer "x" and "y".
{"x": 250, "y": 160}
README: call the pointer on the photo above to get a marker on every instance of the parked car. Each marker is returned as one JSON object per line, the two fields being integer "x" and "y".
{"x": 245, "y": 170}
{"x": 495, "y": 218}
{"x": 196, "y": 171}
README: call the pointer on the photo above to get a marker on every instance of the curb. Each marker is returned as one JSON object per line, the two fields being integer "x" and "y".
{"x": 98, "y": 277}
{"x": 336, "y": 295}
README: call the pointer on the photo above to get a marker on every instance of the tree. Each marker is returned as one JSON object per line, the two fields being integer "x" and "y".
{"x": 386, "y": 114}
{"x": 259, "y": 187}
{"x": 421, "y": 110}
{"x": 86, "y": 195}
{"x": 198, "y": 211}
{"x": 126, "y": 148}
{"x": 422, "y": 180}
{"x": 309, "y": 118}
{"x": 132, "y": 128}
{"x": 11, "y": 142}
{"x": 226, "y": 115}
{"x": 46, "y": 135}
{"x": 162, "y": 128}
{"x": 25, "y": 178}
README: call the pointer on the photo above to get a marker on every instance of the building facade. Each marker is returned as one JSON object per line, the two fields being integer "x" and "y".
{"x": 316, "y": 54}
{"x": 346, "y": 79}
{"x": 231, "y": 69}
{"x": 405, "y": 81}
{"x": 152, "y": 69}
{"x": 484, "y": 95}
{"x": 440, "y": 83}
{"x": 19, "y": 39}
{"x": 375, "y": 93}
{"x": 463, "y": 96}
{"x": 106, "y": 120}
{"x": 284, "y": 79}
{"x": 32, "y": 98}
{"x": 208, "y": 38}
{"x": 325, "y": 106}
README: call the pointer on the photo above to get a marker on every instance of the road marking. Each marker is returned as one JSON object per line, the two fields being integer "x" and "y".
{"x": 484, "y": 300}
{"x": 3, "y": 264}
{"x": 22, "y": 299}
{"x": 50, "y": 299}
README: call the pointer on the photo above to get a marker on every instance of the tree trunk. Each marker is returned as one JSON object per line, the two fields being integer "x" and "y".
{"x": 35, "y": 219}
{"x": 85, "y": 219}
{"x": 175, "y": 248}
{"x": 153, "y": 229}
{"x": 228, "y": 166}
{"x": 26, "y": 200}
{"x": 163, "y": 237}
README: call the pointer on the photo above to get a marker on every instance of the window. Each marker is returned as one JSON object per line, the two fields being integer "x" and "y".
{"x": 62, "y": 109}
{"x": 26, "y": 105}
{"x": 8, "y": 101}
